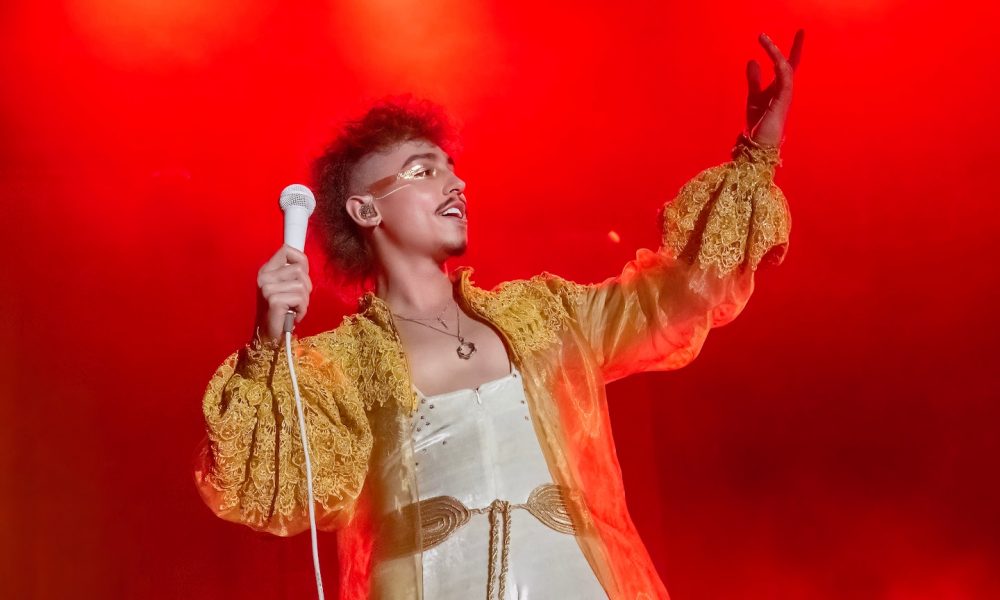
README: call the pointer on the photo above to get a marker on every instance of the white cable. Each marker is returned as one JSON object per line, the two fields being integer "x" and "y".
{"x": 309, "y": 476}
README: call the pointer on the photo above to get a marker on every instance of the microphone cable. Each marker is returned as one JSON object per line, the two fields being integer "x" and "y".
{"x": 289, "y": 323}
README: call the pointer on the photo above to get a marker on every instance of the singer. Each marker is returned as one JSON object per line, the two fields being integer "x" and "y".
{"x": 460, "y": 440}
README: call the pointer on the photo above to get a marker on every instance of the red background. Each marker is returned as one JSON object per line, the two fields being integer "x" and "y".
{"x": 837, "y": 441}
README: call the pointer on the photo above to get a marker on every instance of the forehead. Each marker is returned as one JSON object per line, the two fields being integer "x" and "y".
{"x": 390, "y": 161}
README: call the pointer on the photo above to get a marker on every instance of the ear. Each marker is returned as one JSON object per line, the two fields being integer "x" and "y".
{"x": 362, "y": 209}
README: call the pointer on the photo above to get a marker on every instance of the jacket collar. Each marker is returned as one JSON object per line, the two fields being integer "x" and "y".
{"x": 376, "y": 310}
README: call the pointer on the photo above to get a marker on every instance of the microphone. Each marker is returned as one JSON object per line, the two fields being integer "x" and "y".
{"x": 298, "y": 203}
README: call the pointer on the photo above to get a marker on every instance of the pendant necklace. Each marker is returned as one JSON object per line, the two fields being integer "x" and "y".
{"x": 465, "y": 349}
{"x": 437, "y": 318}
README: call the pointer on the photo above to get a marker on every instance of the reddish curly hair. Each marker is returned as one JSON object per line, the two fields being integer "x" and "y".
{"x": 389, "y": 121}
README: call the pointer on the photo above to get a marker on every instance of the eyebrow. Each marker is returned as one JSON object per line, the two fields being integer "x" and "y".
{"x": 451, "y": 161}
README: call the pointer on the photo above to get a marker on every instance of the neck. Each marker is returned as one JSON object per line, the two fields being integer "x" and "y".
{"x": 414, "y": 288}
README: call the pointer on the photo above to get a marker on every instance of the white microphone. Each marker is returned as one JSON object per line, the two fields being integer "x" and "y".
{"x": 298, "y": 203}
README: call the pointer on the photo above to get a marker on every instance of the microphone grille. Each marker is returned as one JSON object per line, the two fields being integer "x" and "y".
{"x": 297, "y": 195}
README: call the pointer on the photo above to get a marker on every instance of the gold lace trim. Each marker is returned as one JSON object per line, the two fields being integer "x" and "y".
{"x": 256, "y": 463}
{"x": 730, "y": 216}
{"x": 526, "y": 311}
{"x": 441, "y": 516}
{"x": 372, "y": 359}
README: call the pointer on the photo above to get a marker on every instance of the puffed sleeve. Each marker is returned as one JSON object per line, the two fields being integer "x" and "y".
{"x": 251, "y": 469}
{"x": 720, "y": 227}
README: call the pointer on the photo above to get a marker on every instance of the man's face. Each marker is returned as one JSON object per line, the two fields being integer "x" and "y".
{"x": 420, "y": 201}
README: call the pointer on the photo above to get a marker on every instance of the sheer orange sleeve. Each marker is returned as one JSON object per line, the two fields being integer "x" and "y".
{"x": 720, "y": 227}
{"x": 251, "y": 469}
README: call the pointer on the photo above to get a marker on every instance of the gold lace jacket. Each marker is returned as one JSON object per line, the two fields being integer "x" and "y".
{"x": 567, "y": 339}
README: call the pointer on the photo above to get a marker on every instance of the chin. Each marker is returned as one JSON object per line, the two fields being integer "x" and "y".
{"x": 456, "y": 248}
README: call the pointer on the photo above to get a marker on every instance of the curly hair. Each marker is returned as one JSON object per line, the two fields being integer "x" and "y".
{"x": 389, "y": 121}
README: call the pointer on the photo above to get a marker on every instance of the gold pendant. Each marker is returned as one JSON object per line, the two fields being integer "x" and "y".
{"x": 466, "y": 350}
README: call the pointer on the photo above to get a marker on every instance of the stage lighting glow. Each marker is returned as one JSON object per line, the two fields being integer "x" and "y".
{"x": 141, "y": 32}
{"x": 400, "y": 46}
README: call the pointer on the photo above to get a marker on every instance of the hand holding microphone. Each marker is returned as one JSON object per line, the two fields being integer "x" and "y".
{"x": 283, "y": 282}
{"x": 283, "y": 297}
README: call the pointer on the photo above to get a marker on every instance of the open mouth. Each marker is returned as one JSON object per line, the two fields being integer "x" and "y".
{"x": 455, "y": 212}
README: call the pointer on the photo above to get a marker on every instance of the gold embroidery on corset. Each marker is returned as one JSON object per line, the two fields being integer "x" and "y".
{"x": 256, "y": 455}
{"x": 546, "y": 502}
{"x": 730, "y": 216}
{"x": 440, "y": 519}
{"x": 498, "y": 509}
{"x": 442, "y": 516}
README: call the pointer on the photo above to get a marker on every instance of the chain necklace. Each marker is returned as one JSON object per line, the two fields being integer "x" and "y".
{"x": 465, "y": 349}
{"x": 437, "y": 318}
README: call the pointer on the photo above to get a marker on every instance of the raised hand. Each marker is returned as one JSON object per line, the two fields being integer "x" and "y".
{"x": 767, "y": 108}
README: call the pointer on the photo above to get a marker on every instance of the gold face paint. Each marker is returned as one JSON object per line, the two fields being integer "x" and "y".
{"x": 418, "y": 171}
{"x": 413, "y": 173}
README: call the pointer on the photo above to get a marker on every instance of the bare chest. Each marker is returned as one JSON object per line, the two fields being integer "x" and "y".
{"x": 434, "y": 361}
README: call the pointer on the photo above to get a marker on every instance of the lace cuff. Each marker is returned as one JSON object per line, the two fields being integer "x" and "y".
{"x": 731, "y": 217}
{"x": 260, "y": 359}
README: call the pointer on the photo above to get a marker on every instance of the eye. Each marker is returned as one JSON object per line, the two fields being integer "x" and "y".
{"x": 418, "y": 172}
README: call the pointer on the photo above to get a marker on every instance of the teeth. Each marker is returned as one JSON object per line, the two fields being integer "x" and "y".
{"x": 454, "y": 210}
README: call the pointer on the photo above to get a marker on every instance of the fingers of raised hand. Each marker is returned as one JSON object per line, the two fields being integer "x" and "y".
{"x": 796, "y": 53}
{"x": 753, "y": 77}
{"x": 781, "y": 65}
{"x": 783, "y": 70}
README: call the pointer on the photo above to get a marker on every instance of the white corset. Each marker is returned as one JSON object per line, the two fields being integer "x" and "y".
{"x": 478, "y": 446}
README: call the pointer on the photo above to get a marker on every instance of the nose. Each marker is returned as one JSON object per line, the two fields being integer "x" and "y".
{"x": 454, "y": 184}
